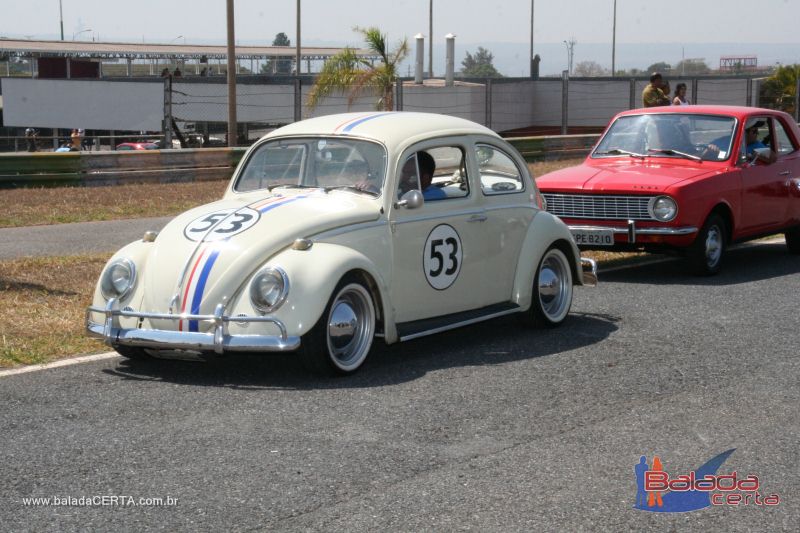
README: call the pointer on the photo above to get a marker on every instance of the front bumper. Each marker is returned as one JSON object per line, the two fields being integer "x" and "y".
{"x": 634, "y": 232}
{"x": 219, "y": 341}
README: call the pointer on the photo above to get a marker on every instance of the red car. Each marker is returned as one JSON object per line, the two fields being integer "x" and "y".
{"x": 137, "y": 146}
{"x": 688, "y": 178}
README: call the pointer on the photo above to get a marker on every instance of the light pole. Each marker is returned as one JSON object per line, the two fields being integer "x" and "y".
{"x": 61, "y": 18}
{"x": 530, "y": 58}
{"x": 297, "y": 44}
{"x": 614, "y": 40}
{"x": 430, "y": 39}
{"x": 78, "y": 33}
{"x": 231, "y": 76}
{"x": 570, "y": 51}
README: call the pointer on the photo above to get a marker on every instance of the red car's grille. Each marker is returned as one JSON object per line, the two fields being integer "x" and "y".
{"x": 599, "y": 206}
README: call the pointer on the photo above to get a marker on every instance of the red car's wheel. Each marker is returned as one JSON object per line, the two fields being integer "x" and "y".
{"x": 706, "y": 253}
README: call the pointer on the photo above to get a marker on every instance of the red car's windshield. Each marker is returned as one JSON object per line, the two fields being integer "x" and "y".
{"x": 688, "y": 136}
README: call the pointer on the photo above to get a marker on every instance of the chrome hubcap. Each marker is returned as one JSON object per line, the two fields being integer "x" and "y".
{"x": 554, "y": 286}
{"x": 713, "y": 246}
{"x": 351, "y": 326}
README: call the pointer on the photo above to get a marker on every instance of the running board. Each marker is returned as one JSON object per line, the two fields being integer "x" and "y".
{"x": 428, "y": 326}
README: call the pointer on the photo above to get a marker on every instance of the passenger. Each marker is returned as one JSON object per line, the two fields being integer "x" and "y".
{"x": 752, "y": 143}
{"x": 653, "y": 96}
{"x": 680, "y": 95}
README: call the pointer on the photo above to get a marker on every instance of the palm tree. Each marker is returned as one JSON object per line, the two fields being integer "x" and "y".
{"x": 346, "y": 71}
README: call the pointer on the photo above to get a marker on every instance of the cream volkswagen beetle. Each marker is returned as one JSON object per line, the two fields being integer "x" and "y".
{"x": 340, "y": 229}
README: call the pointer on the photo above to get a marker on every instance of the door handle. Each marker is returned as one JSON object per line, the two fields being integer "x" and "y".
{"x": 785, "y": 173}
{"x": 477, "y": 218}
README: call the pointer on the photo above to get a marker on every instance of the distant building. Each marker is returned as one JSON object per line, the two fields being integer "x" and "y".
{"x": 736, "y": 64}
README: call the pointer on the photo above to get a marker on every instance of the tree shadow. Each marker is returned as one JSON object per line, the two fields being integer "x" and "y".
{"x": 745, "y": 264}
{"x": 494, "y": 342}
{"x": 14, "y": 285}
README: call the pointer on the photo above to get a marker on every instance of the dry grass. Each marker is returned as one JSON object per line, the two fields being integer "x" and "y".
{"x": 43, "y": 302}
{"x": 541, "y": 168}
{"x": 31, "y": 207}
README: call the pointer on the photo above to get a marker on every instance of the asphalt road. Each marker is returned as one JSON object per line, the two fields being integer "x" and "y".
{"x": 77, "y": 238}
{"x": 488, "y": 428}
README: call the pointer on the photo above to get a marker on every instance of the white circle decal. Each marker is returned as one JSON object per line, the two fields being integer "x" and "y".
{"x": 441, "y": 258}
{"x": 221, "y": 224}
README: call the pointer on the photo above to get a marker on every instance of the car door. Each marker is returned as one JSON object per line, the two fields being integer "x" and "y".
{"x": 438, "y": 248}
{"x": 764, "y": 191}
{"x": 509, "y": 210}
{"x": 789, "y": 168}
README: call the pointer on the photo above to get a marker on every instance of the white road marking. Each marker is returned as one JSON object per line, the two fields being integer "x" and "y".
{"x": 63, "y": 362}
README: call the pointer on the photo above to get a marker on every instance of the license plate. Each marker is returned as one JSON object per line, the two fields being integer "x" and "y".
{"x": 593, "y": 237}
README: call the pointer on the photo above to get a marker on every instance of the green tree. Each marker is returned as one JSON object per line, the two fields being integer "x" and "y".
{"x": 281, "y": 67}
{"x": 589, "y": 69}
{"x": 661, "y": 66}
{"x": 479, "y": 65}
{"x": 691, "y": 67}
{"x": 779, "y": 90}
{"x": 347, "y": 72}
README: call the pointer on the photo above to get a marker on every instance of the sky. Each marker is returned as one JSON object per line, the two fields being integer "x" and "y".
{"x": 505, "y": 24}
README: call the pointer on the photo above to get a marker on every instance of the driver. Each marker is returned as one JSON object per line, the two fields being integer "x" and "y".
{"x": 424, "y": 162}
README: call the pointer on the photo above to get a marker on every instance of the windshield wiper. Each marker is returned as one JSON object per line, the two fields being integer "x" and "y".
{"x": 291, "y": 186}
{"x": 670, "y": 151}
{"x": 351, "y": 188}
{"x": 618, "y": 151}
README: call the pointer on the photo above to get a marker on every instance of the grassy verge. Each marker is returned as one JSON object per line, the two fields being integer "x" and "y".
{"x": 31, "y": 207}
{"x": 43, "y": 301}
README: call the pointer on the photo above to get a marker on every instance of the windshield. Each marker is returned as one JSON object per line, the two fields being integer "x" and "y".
{"x": 675, "y": 135}
{"x": 329, "y": 163}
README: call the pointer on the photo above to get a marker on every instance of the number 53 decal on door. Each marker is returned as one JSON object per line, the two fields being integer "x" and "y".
{"x": 441, "y": 258}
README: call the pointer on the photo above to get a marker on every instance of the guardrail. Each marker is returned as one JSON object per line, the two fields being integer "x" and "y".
{"x": 49, "y": 169}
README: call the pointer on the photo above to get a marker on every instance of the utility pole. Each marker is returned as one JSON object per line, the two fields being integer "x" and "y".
{"x": 232, "y": 135}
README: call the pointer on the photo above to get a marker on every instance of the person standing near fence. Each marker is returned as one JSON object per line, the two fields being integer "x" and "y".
{"x": 30, "y": 137}
{"x": 680, "y": 95}
{"x": 653, "y": 95}
{"x": 76, "y": 139}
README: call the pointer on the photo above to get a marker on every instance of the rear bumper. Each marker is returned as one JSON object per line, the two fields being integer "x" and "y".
{"x": 218, "y": 341}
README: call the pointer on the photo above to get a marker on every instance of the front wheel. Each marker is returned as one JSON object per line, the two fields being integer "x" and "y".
{"x": 552, "y": 290}
{"x": 341, "y": 339}
{"x": 793, "y": 241}
{"x": 706, "y": 252}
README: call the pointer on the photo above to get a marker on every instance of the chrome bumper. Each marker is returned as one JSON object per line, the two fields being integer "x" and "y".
{"x": 632, "y": 231}
{"x": 219, "y": 341}
{"x": 589, "y": 268}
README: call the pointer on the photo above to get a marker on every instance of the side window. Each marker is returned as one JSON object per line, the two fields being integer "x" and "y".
{"x": 499, "y": 173}
{"x": 785, "y": 144}
{"x": 440, "y": 173}
{"x": 756, "y": 135}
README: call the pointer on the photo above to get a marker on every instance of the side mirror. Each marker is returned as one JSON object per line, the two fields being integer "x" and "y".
{"x": 411, "y": 200}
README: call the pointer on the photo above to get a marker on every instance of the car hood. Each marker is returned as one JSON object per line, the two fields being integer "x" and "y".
{"x": 212, "y": 269}
{"x": 629, "y": 177}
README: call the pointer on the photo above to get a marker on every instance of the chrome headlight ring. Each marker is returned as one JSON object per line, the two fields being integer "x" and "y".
{"x": 118, "y": 279}
{"x": 269, "y": 289}
{"x": 663, "y": 208}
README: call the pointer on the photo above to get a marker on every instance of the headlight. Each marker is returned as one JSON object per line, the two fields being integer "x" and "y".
{"x": 118, "y": 279}
{"x": 269, "y": 289}
{"x": 663, "y": 208}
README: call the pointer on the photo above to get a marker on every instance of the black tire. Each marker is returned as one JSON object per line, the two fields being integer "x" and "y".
{"x": 793, "y": 241}
{"x": 131, "y": 352}
{"x": 552, "y": 291}
{"x": 707, "y": 252}
{"x": 340, "y": 341}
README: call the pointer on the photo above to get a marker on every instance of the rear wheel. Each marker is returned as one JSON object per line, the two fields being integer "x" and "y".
{"x": 552, "y": 290}
{"x": 341, "y": 339}
{"x": 707, "y": 251}
{"x": 793, "y": 241}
